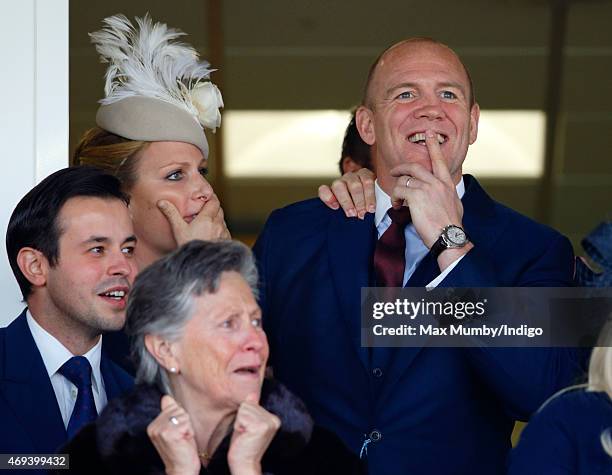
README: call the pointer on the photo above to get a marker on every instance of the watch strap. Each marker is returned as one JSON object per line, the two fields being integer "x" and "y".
{"x": 438, "y": 247}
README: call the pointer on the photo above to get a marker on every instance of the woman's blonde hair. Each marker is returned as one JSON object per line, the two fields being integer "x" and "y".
{"x": 600, "y": 370}
{"x": 109, "y": 152}
{"x": 600, "y": 375}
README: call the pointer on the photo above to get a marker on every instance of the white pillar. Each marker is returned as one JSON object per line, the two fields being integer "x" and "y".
{"x": 33, "y": 111}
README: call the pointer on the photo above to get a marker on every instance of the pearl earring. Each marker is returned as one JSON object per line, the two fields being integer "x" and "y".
{"x": 173, "y": 370}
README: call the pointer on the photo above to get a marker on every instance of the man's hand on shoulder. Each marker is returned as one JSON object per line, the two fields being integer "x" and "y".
{"x": 353, "y": 191}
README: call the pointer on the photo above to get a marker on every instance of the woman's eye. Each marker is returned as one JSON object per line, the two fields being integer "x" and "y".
{"x": 256, "y": 322}
{"x": 203, "y": 171}
{"x": 449, "y": 95}
{"x": 229, "y": 323}
{"x": 175, "y": 176}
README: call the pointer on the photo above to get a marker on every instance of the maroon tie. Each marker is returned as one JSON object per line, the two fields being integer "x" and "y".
{"x": 389, "y": 256}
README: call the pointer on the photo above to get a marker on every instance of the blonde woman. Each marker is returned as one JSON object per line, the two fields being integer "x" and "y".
{"x": 149, "y": 133}
{"x": 572, "y": 433}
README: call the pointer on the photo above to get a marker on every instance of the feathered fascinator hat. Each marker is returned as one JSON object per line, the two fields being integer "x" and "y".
{"x": 156, "y": 88}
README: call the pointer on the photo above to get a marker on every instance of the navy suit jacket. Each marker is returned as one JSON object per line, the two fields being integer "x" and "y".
{"x": 30, "y": 418}
{"x": 564, "y": 437}
{"x": 431, "y": 410}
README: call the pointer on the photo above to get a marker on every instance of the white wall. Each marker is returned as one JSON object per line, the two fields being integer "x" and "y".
{"x": 33, "y": 111}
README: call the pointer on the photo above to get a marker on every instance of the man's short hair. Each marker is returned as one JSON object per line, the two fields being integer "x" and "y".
{"x": 354, "y": 147}
{"x": 34, "y": 220}
{"x": 421, "y": 39}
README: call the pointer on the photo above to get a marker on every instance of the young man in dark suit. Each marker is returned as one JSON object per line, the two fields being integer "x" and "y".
{"x": 70, "y": 244}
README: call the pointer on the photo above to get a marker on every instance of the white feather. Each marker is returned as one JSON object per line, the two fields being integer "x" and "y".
{"x": 148, "y": 61}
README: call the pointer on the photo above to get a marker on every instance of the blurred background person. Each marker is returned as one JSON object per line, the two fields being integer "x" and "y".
{"x": 598, "y": 246}
{"x": 202, "y": 404}
{"x": 355, "y": 153}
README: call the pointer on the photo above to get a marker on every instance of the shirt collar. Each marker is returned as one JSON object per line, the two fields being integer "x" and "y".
{"x": 54, "y": 354}
{"x": 383, "y": 200}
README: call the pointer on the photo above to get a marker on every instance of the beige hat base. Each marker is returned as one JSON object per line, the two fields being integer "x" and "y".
{"x": 151, "y": 120}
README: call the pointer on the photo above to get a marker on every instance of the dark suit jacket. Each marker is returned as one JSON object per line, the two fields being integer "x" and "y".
{"x": 432, "y": 410}
{"x": 564, "y": 437}
{"x": 30, "y": 418}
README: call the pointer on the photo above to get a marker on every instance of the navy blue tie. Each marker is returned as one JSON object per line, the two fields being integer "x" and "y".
{"x": 78, "y": 371}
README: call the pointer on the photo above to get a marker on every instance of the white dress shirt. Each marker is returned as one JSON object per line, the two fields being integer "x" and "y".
{"x": 54, "y": 355}
{"x": 416, "y": 249}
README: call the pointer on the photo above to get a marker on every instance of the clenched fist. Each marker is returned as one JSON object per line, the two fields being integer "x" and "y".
{"x": 254, "y": 429}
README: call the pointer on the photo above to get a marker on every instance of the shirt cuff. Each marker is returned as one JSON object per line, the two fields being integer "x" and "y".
{"x": 434, "y": 283}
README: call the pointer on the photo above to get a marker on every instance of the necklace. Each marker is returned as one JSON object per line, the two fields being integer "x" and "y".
{"x": 204, "y": 457}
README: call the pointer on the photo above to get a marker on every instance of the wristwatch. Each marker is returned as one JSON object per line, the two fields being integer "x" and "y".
{"x": 452, "y": 237}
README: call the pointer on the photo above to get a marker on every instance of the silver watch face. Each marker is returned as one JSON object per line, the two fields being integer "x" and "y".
{"x": 456, "y": 235}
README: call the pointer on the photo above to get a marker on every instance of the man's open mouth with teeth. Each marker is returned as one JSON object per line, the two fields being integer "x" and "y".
{"x": 116, "y": 295}
{"x": 419, "y": 138}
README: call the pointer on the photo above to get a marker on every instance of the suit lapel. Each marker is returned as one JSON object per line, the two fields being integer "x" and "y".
{"x": 111, "y": 385}
{"x": 115, "y": 382}
{"x": 483, "y": 226}
{"x": 351, "y": 244}
{"x": 479, "y": 217}
{"x": 27, "y": 389}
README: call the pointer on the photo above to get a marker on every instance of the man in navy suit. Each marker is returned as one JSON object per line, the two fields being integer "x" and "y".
{"x": 410, "y": 410}
{"x": 70, "y": 243}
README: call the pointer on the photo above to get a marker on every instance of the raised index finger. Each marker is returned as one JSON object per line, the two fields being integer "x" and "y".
{"x": 439, "y": 166}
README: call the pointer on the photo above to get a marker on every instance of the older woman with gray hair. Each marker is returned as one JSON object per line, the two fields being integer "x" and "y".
{"x": 202, "y": 404}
